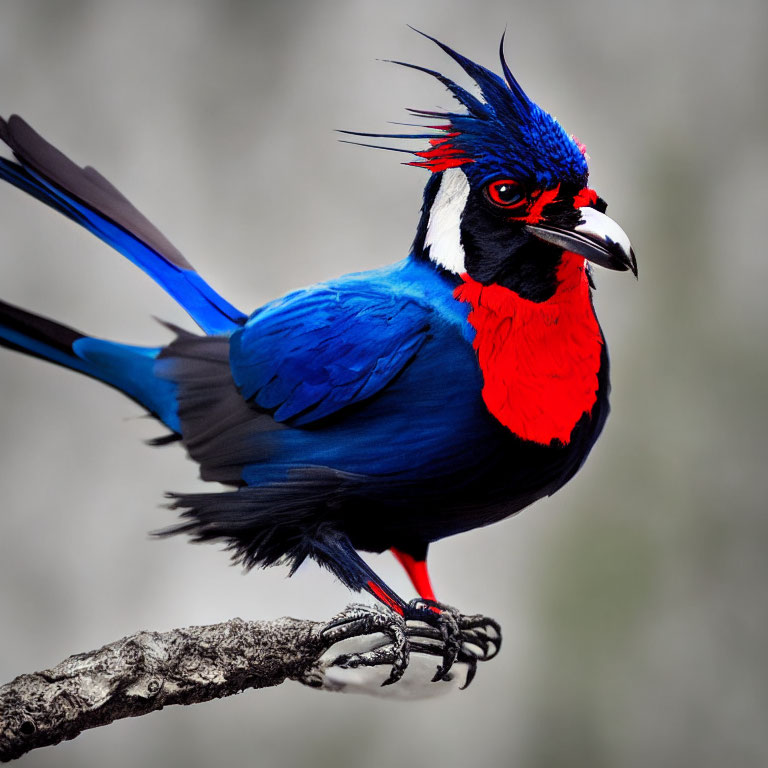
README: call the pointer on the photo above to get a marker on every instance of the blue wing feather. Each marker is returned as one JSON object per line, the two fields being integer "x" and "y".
{"x": 317, "y": 351}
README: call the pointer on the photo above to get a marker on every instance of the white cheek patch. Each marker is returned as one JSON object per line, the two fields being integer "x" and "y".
{"x": 444, "y": 227}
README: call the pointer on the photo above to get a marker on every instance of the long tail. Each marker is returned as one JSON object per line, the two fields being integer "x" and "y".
{"x": 86, "y": 197}
{"x": 127, "y": 368}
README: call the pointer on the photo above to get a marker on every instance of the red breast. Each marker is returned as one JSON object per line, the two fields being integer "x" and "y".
{"x": 539, "y": 360}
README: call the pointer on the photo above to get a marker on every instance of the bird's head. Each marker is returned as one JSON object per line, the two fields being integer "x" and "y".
{"x": 509, "y": 193}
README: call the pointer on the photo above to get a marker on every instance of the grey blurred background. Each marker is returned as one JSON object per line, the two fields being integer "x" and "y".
{"x": 634, "y": 602}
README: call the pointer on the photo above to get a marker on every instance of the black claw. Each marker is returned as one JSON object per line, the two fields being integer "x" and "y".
{"x": 483, "y": 632}
{"x": 446, "y": 620}
{"x": 471, "y": 662}
{"x": 451, "y": 645}
{"x": 359, "y": 620}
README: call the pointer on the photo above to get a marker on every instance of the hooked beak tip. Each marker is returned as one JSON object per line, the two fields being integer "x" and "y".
{"x": 623, "y": 259}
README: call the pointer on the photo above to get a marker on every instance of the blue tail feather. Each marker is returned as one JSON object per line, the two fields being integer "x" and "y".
{"x": 87, "y": 198}
{"x": 129, "y": 369}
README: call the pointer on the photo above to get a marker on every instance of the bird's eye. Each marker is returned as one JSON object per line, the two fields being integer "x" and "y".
{"x": 505, "y": 193}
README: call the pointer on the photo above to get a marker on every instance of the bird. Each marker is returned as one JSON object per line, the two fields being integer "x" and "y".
{"x": 385, "y": 409}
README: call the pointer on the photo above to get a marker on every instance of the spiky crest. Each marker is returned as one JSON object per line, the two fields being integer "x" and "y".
{"x": 501, "y": 133}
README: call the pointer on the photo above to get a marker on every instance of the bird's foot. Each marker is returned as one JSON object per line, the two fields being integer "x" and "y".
{"x": 357, "y": 621}
{"x": 466, "y": 639}
{"x": 366, "y": 637}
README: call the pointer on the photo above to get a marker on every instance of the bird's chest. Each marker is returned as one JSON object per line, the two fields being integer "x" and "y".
{"x": 540, "y": 360}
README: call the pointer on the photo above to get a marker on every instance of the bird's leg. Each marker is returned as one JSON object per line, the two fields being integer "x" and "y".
{"x": 456, "y": 632}
{"x": 361, "y": 620}
{"x": 444, "y": 621}
{"x": 338, "y": 554}
{"x": 425, "y": 624}
{"x": 416, "y": 568}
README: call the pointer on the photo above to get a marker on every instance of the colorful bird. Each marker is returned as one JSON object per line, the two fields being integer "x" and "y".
{"x": 386, "y": 409}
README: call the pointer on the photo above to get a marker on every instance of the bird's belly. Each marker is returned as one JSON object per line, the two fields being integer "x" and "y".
{"x": 511, "y": 476}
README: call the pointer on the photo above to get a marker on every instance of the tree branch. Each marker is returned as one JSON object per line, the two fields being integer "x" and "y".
{"x": 149, "y": 670}
{"x": 358, "y": 650}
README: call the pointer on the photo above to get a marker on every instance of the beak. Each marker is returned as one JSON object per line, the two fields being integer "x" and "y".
{"x": 596, "y": 237}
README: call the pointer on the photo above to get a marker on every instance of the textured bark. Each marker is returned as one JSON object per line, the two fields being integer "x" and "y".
{"x": 145, "y": 672}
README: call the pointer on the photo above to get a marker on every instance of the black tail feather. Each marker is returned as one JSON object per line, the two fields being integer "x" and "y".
{"x": 44, "y": 334}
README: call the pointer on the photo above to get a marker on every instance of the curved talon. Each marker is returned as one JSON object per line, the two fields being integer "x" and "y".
{"x": 471, "y": 661}
{"x": 360, "y": 620}
{"x": 477, "y": 630}
{"x": 401, "y": 654}
{"x": 445, "y": 619}
{"x": 354, "y": 615}
{"x": 395, "y": 655}
{"x": 449, "y": 629}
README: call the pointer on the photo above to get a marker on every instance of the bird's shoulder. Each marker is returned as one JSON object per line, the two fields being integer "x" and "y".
{"x": 411, "y": 285}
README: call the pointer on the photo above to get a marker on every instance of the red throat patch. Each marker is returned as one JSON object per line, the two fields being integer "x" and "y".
{"x": 539, "y": 360}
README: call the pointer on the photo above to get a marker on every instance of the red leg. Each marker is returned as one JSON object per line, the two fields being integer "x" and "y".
{"x": 418, "y": 573}
{"x": 383, "y": 594}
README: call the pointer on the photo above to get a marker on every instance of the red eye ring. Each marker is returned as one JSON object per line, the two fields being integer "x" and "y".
{"x": 506, "y": 193}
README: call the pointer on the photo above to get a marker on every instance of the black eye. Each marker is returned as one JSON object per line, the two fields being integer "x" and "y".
{"x": 506, "y": 193}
